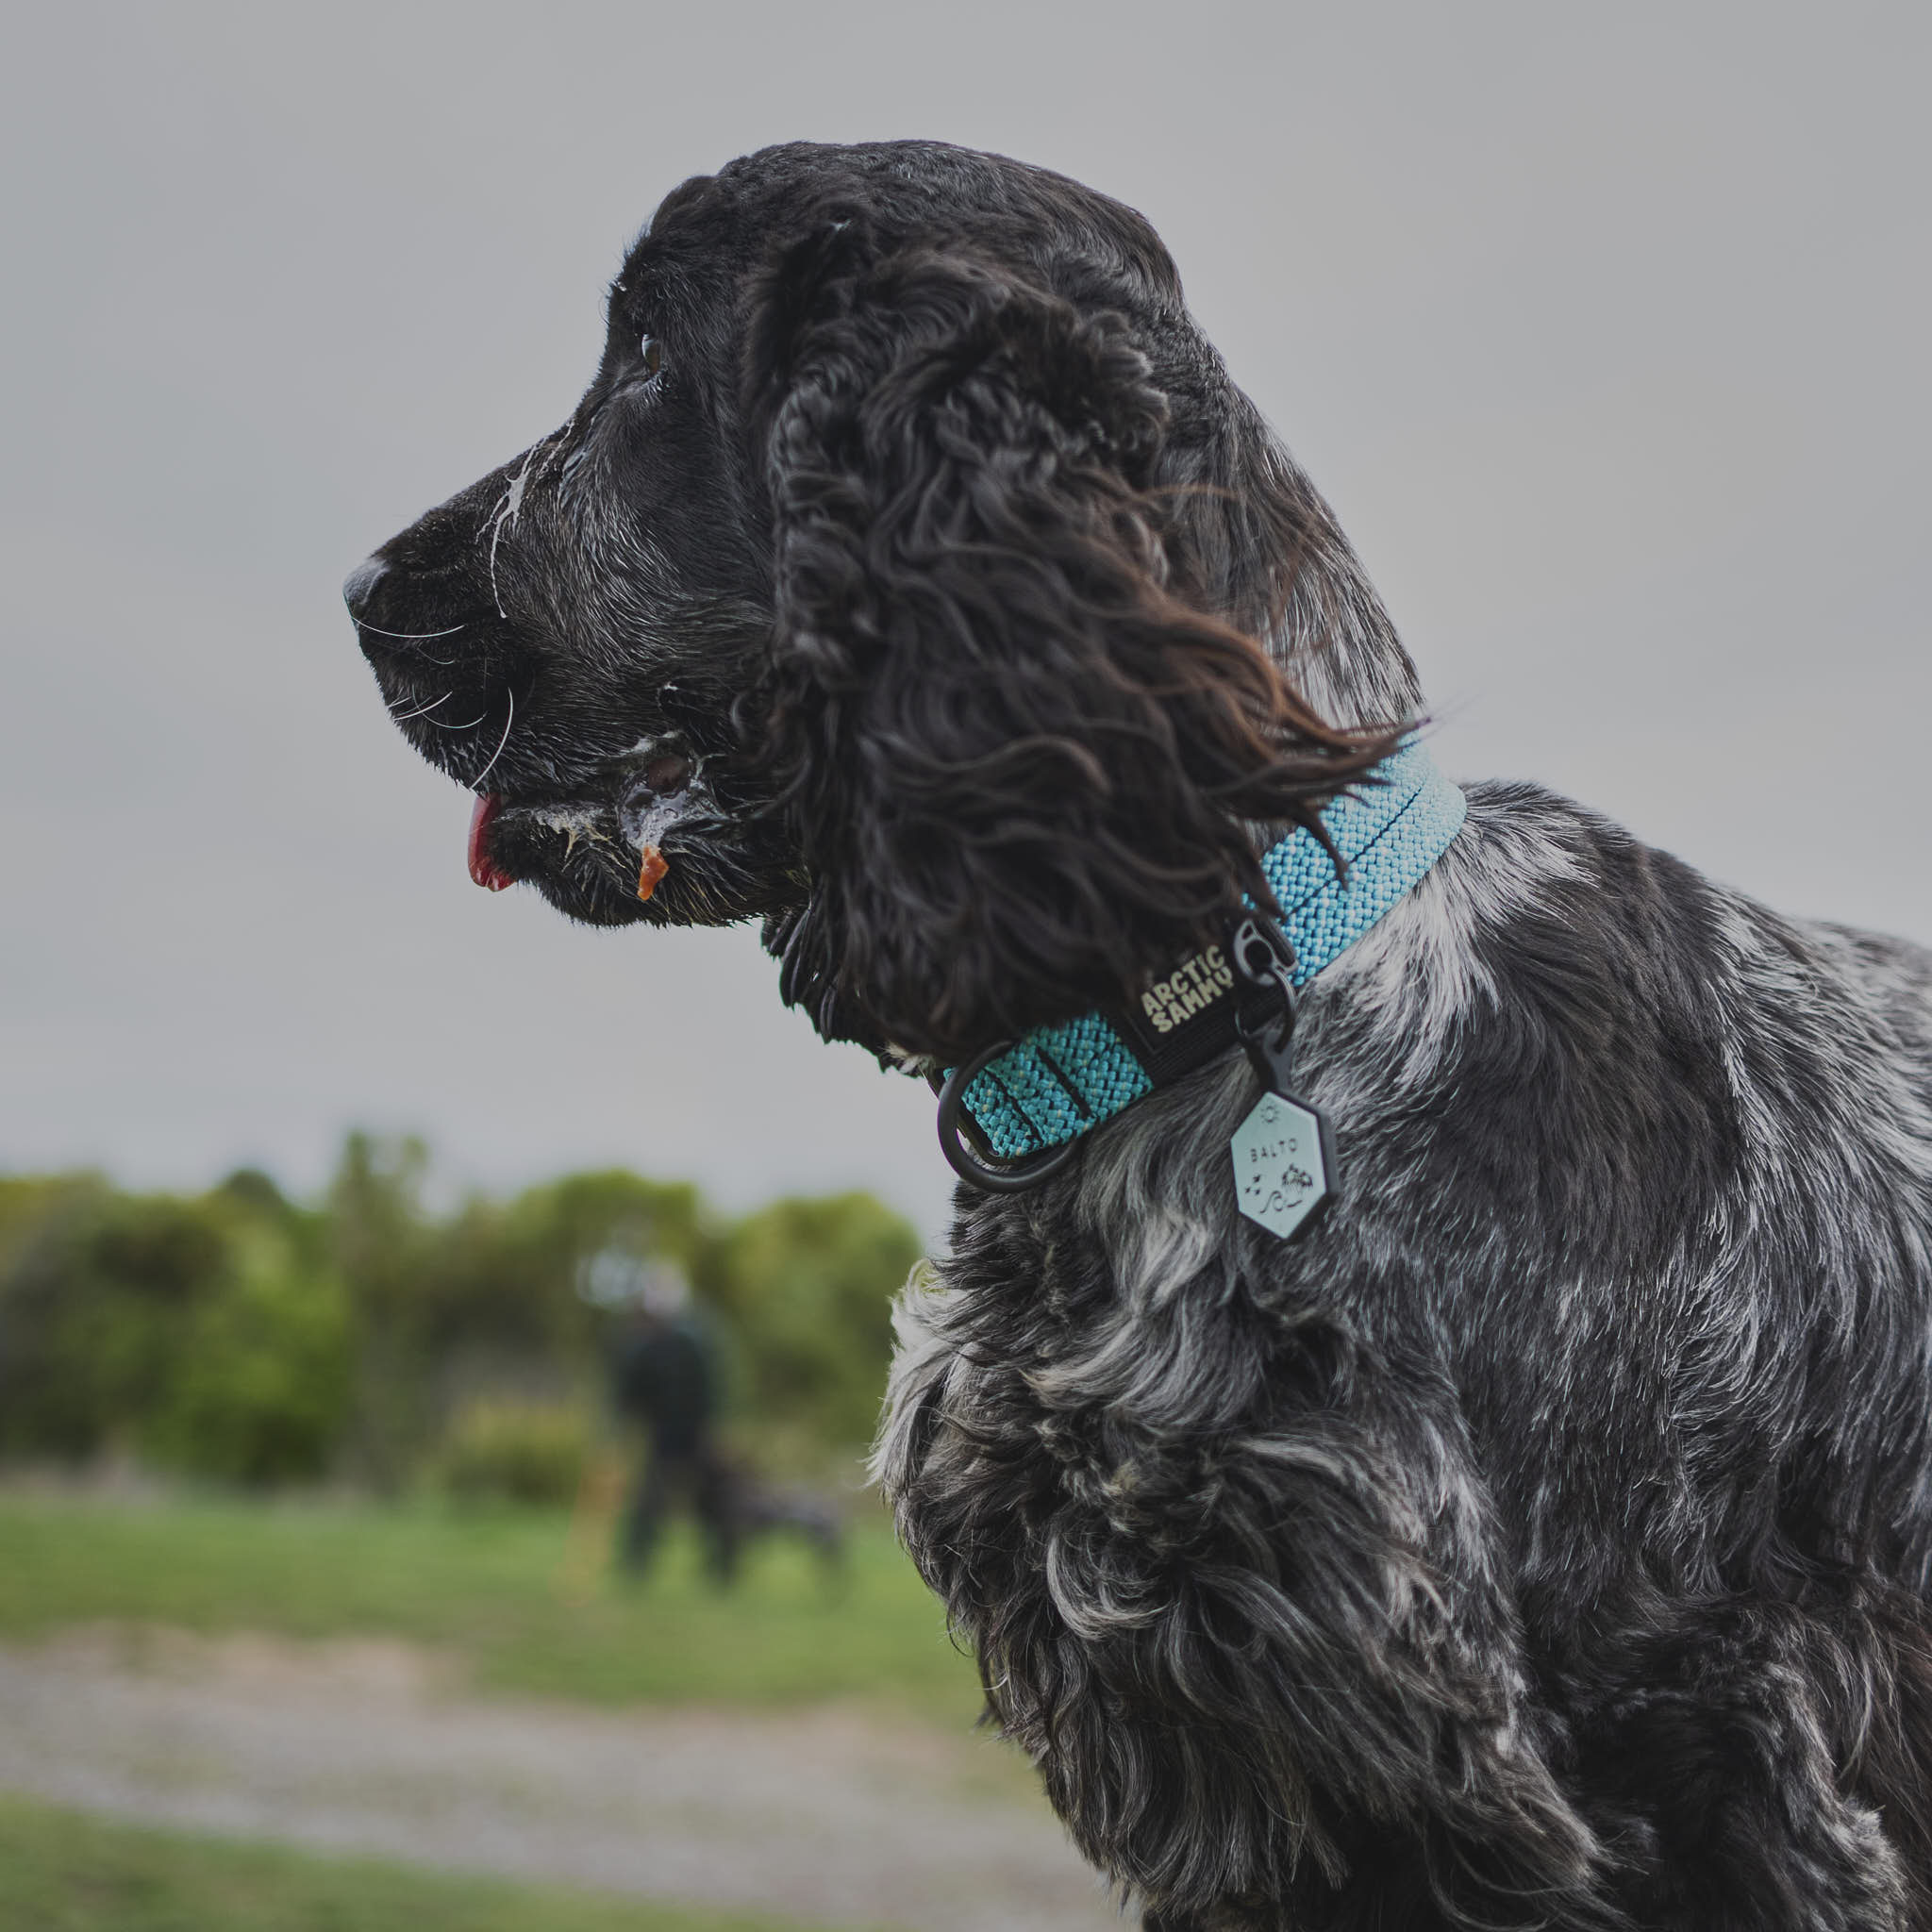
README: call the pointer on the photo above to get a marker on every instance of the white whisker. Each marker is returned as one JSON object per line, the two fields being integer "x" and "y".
{"x": 500, "y": 742}
{"x": 407, "y": 637}
{"x": 465, "y": 726}
{"x": 403, "y": 717}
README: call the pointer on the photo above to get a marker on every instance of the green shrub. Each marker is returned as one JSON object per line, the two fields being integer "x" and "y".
{"x": 807, "y": 1286}
{"x": 195, "y": 1330}
{"x": 92, "y": 1296}
{"x": 260, "y": 1387}
{"x": 515, "y": 1451}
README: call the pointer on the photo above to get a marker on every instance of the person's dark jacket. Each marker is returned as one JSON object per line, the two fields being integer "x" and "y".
{"x": 664, "y": 1376}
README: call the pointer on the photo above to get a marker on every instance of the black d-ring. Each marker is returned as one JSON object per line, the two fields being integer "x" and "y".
{"x": 1009, "y": 1178}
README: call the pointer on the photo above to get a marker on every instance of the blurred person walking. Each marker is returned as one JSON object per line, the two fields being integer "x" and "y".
{"x": 665, "y": 1377}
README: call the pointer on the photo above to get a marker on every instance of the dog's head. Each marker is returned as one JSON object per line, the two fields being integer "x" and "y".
{"x": 899, "y": 579}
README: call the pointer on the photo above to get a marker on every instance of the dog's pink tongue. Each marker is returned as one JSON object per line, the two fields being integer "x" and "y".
{"x": 484, "y": 869}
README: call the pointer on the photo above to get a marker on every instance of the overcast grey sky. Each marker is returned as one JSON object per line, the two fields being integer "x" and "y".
{"x": 1605, "y": 329}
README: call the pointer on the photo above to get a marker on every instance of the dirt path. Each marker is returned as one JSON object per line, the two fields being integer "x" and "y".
{"x": 820, "y": 1815}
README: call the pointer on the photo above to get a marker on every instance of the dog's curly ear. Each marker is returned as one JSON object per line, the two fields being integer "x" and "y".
{"x": 1021, "y": 766}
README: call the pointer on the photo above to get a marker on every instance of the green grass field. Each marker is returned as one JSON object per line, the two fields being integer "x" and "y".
{"x": 64, "y": 1872}
{"x": 494, "y": 1589}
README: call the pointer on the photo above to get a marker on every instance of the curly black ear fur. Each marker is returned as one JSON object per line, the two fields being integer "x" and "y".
{"x": 1021, "y": 762}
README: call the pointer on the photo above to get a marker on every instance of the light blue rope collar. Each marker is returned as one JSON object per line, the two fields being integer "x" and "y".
{"x": 1063, "y": 1080}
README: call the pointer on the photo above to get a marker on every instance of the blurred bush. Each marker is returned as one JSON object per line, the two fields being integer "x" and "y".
{"x": 518, "y": 1452}
{"x": 260, "y": 1385}
{"x": 202, "y": 1334}
{"x": 807, "y": 1287}
{"x": 241, "y": 1337}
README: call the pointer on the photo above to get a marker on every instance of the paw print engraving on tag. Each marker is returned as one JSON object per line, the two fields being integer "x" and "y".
{"x": 1280, "y": 1165}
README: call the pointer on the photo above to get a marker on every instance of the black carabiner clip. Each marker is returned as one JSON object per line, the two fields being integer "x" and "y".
{"x": 979, "y": 1167}
{"x": 1264, "y": 1023}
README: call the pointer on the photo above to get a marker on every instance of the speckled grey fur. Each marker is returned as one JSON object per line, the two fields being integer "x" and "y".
{"x": 1617, "y": 1342}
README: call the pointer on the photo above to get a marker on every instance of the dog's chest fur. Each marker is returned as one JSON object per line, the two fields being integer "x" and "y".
{"x": 1628, "y": 1292}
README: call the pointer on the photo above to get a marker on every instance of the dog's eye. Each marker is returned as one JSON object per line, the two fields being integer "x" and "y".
{"x": 653, "y": 355}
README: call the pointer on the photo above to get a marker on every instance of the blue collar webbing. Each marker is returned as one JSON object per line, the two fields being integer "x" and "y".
{"x": 1063, "y": 1079}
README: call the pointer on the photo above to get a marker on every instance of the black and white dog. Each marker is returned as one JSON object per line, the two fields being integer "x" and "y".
{"x": 1543, "y": 1540}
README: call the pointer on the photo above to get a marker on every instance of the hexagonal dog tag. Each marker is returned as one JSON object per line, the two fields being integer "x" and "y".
{"x": 1283, "y": 1164}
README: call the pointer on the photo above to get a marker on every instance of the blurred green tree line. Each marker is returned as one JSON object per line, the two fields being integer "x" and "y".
{"x": 244, "y": 1336}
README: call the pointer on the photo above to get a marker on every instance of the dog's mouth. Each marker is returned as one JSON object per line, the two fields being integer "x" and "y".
{"x": 645, "y": 839}
{"x": 603, "y": 851}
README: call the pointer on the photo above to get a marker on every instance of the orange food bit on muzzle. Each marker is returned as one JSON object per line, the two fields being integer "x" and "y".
{"x": 651, "y": 872}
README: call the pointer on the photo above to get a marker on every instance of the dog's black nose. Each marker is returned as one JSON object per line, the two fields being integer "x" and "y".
{"x": 359, "y": 585}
